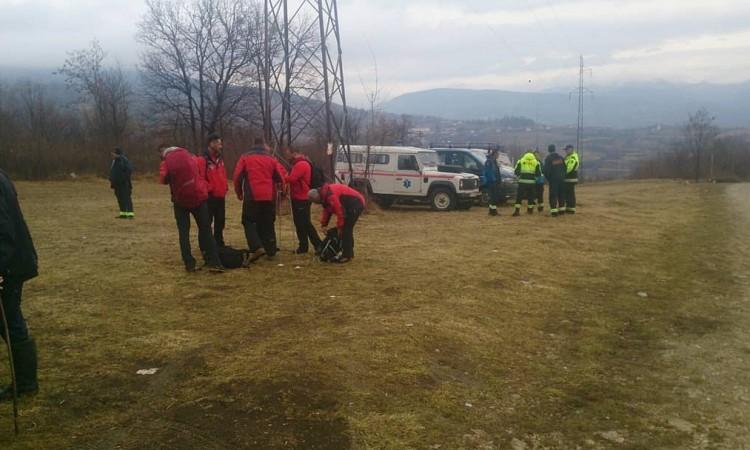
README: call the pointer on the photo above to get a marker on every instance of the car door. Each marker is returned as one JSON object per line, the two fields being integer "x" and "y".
{"x": 408, "y": 179}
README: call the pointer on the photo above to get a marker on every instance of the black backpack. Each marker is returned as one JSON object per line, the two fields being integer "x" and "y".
{"x": 331, "y": 246}
{"x": 231, "y": 258}
{"x": 317, "y": 176}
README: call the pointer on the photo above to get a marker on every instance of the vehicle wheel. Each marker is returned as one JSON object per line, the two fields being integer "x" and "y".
{"x": 442, "y": 200}
{"x": 384, "y": 201}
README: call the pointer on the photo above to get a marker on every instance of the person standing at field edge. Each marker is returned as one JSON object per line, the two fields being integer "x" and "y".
{"x": 572, "y": 164}
{"x": 179, "y": 169}
{"x": 256, "y": 176}
{"x": 119, "y": 179}
{"x": 527, "y": 171}
{"x": 539, "y": 183}
{"x": 347, "y": 205}
{"x": 492, "y": 178}
{"x": 300, "y": 182}
{"x": 18, "y": 264}
{"x": 554, "y": 171}
{"x": 211, "y": 166}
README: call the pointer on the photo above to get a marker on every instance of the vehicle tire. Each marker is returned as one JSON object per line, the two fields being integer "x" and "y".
{"x": 442, "y": 199}
{"x": 384, "y": 201}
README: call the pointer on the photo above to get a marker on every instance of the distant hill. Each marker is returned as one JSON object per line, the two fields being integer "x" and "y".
{"x": 628, "y": 106}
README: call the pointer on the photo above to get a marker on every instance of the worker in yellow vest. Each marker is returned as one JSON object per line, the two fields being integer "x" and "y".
{"x": 528, "y": 169}
{"x": 572, "y": 164}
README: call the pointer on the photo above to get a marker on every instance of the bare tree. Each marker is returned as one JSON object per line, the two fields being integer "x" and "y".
{"x": 105, "y": 91}
{"x": 199, "y": 60}
{"x": 700, "y": 133}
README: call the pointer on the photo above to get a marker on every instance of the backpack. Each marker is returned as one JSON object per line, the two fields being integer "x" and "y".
{"x": 189, "y": 190}
{"x": 231, "y": 258}
{"x": 317, "y": 176}
{"x": 331, "y": 246}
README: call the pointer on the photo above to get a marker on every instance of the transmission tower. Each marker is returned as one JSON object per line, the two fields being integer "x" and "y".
{"x": 581, "y": 91}
{"x": 303, "y": 73}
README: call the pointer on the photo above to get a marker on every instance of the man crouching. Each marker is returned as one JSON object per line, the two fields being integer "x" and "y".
{"x": 347, "y": 205}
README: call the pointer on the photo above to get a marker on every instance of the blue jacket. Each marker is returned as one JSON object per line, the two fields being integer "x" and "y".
{"x": 491, "y": 172}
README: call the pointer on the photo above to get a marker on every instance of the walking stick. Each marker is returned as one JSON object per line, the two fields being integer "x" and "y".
{"x": 12, "y": 368}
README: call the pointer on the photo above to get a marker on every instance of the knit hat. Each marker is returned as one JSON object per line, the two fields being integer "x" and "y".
{"x": 117, "y": 151}
{"x": 551, "y": 148}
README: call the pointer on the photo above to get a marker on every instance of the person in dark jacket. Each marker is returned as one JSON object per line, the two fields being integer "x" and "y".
{"x": 18, "y": 264}
{"x": 539, "y": 183}
{"x": 256, "y": 177}
{"x": 299, "y": 180}
{"x": 347, "y": 205}
{"x": 554, "y": 172}
{"x": 492, "y": 178}
{"x": 179, "y": 170}
{"x": 211, "y": 165}
{"x": 119, "y": 179}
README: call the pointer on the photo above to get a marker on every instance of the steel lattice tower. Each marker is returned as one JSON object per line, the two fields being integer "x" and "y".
{"x": 303, "y": 73}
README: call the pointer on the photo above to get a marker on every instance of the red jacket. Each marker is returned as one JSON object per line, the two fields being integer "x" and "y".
{"x": 299, "y": 178}
{"x": 256, "y": 175}
{"x": 179, "y": 169}
{"x": 213, "y": 171}
{"x": 335, "y": 199}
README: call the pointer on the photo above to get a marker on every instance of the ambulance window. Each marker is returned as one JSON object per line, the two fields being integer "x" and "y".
{"x": 407, "y": 162}
{"x": 379, "y": 159}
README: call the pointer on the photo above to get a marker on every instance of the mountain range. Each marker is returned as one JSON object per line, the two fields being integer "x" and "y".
{"x": 626, "y": 106}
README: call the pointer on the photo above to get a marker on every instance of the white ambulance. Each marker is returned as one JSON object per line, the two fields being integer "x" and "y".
{"x": 407, "y": 174}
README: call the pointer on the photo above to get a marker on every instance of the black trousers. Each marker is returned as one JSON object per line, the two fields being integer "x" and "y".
{"x": 302, "y": 223}
{"x": 570, "y": 196}
{"x": 351, "y": 215}
{"x": 540, "y": 194}
{"x": 217, "y": 217}
{"x": 556, "y": 198}
{"x": 11, "y": 297}
{"x": 205, "y": 239}
{"x": 124, "y": 196}
{"x": 526, "y": 191}
{"x": 493, "y": 194}
{"x": 258, "y": 219}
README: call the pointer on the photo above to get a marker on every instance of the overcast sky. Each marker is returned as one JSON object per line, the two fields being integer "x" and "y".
{"x": 421, "y": 44}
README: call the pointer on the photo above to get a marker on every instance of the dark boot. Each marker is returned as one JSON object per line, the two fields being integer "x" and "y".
{"x": 24, "y": 361}
{"x": 517, "y": 212}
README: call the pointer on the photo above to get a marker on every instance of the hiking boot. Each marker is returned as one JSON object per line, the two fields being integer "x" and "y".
{"x": 340, "y": 260}
{"x": 554, "y": 214}
{"x": 540, "y": 209}
{"x": 190, "y": 268}
{"x": 215, "y": 268}
{"x": 516, "y": 213}
{"x": 257, "y": 254}
{"x": 493, "y": 212}
{"x": 300, "y": 251}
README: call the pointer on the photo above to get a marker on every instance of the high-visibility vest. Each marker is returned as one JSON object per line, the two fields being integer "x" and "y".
{"x": 527, "y": 169}
{"x": 572, "y": 163}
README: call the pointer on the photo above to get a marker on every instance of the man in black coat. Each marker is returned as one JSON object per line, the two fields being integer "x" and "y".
{"x": 554, "y": 172}
{"x": 119, "y": 180}
{"x": 18, "y": 264}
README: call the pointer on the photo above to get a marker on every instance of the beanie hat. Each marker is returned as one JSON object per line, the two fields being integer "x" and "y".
{"x": 551, "y": 148}
{"x": 118, "y": 151}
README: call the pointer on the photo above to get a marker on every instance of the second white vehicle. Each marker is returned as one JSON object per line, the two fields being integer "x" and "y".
{"x": 407, "y": 174}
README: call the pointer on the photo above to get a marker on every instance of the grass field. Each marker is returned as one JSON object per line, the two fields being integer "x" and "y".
{"x": 626, "y": 326}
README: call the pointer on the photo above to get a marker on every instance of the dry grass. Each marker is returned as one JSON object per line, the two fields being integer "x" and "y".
{"x": 448, "y": 331}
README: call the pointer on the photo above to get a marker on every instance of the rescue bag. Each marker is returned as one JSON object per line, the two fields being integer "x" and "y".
{"x": 331, "y": 246}
{"x": 231, "y": 258}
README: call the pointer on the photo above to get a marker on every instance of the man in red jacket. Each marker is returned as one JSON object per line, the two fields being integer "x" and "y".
{"x": 347, "y": 205}
{"x": 299, "y": 180}
{"x": 211, "y": 166}
{"x": 256, "y": 176}
{"x": 179, "y": 169}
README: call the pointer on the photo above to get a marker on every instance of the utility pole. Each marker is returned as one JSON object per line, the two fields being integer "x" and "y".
{"x": 581, "y": 91}
{"x": 304, "y": 73}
